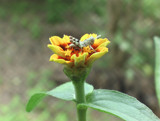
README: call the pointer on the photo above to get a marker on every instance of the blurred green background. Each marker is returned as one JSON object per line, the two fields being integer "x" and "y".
{"x": 26, "y": 25}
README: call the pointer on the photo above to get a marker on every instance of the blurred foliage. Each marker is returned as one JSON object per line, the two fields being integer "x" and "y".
{"x": 157, "y": 67}
{"x": 56, "y": 10}
{"x": 61, "y": 117}
{"x": 19, "y": 115}
{"x": 18, "y": 104}
{"x": 153, "y": 8}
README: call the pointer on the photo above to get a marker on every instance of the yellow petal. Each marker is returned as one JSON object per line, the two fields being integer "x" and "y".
{"x": 66, "y": 39}
{"x": 97, "y": 55}
{"x": 80, "y": 60}
{"x": 57, "y": 50}
{"x": 55, "y": 40}
{"x": 93, "y": 35}
{"x": 100, "y": 41}
{"x": 55, "y": 58}
{"x": 104, "y": 44}
{"x": 86, "y": 36}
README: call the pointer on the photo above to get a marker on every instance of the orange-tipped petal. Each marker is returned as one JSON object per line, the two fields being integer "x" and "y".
{"x": 57, "y": 59}
{"x": 57, "y": 50}
{"x": 97, "y": 55}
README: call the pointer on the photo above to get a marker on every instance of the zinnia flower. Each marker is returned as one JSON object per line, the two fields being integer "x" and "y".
{"x": 77, "y": 57}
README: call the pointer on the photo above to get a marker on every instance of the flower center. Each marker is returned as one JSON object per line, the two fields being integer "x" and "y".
{"x": 69, "y": 51}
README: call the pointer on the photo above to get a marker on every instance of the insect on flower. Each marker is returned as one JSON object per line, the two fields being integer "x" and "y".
{"x": 76, "y": 43}
{"x": 75, "y": 52}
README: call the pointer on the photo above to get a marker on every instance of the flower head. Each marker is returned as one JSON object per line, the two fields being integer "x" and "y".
{"x": 80, "y": 54}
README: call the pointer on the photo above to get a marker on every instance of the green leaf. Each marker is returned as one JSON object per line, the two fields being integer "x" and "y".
{"x": 34, "y": 100}
{"x": 119, "y": 104}
{"x": 157, "y": 67}
{"x": 64, "y": 91}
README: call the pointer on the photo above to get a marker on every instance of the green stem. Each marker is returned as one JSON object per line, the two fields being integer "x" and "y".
{"x": 80, "y": 98}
